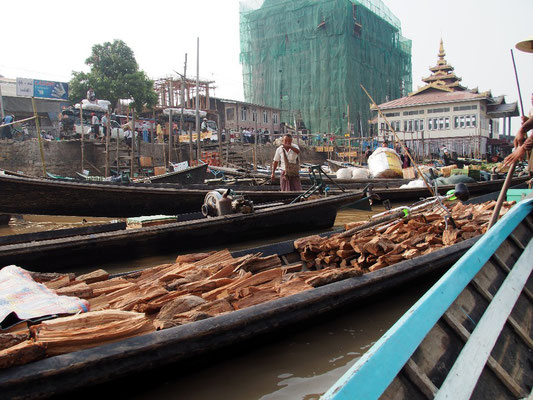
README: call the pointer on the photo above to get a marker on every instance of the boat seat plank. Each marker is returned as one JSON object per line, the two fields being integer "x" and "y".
{"x": 505, "y": 267}
{"x": 501, "y": 373}
{"x": 465, "y": 373}
{"x": 420, "y": 379}
{"x": 512, "y": 322}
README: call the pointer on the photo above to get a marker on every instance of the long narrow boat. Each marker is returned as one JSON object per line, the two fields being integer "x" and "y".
{"x": 190, "y": 175}
{"x": 25, "y": 195}
{"x": 180, "y": 344}
{"x": 92, "y": 248}
{"x": 469, "y": 336}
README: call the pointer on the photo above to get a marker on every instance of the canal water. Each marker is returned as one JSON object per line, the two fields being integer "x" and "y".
{"x": 300, "y": 363}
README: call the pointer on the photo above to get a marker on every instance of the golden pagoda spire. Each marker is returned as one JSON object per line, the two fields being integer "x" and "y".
{"x": 442, "y": 54}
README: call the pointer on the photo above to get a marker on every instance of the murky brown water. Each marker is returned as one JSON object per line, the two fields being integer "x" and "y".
{"x": 301, "y": 364}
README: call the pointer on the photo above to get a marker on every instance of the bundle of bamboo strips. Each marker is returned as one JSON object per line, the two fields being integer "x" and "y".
{"x": 202, "y": 285}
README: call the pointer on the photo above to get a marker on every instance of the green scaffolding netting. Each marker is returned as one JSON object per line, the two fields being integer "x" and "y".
{"x": 309, "y": 57}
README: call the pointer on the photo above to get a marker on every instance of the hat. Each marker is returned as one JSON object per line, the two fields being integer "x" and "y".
{"x": 526, "y": 45}
{"x": 93, "y": 114}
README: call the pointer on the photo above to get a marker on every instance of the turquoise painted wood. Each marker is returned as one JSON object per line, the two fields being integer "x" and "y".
{"x": 374, "y": 372}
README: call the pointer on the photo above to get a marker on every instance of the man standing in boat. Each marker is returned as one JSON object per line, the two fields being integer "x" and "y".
{"x": 287, "y": 156}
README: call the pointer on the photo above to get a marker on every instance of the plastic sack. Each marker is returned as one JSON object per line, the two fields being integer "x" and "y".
{"x": 360, "y": 173}
{"x": 417, "y": 183}
{"x": 385, "y": 163}
{"x": 344, "y": 173}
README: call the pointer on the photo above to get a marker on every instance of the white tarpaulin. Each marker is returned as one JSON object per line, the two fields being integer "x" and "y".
{"x": 27, "y": 299}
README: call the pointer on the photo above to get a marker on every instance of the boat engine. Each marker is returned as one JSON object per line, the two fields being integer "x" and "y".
{"x": 224, "y": 202}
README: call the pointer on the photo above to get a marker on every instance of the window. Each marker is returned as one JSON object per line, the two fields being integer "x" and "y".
{"x": 446, "y": 122}
{"x": 230, "y": 114}
{"x": 405, "y": 126}
{"x": 265, "y": 117}
{"x": 430, "y": 124}
{"x": 441, "y": 123}
{"x": 462, "y": 121}
{"x": 474, "y": 122}
{"x": 416, "y": 125}
{"x": 392, "y": 114}
{"x": 467, "y": 121}
{"x": 438, "y": 110}
{"x": 421, "y": 124}
{"x": 254, "y": 115}
{"x": 275, "y": 118}
{"x": 456, "y": 122}
{"x": 244, "y": 112}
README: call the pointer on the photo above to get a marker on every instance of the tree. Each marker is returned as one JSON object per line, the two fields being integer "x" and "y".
{"x": 114, "y": 75}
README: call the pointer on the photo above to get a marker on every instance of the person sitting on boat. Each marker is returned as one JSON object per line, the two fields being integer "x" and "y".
{"x": 406, "y": 161}
{"x": 287, "y": 156}
{"x": 447, "y": 158}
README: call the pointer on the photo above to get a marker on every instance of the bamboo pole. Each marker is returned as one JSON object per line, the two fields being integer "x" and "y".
{"x": 401, "y": 143}
{"x": 36, "y": 116}
{"x": 183, "y": 102}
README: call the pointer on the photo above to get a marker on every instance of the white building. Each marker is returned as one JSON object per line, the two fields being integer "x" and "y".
{"x": 443, "y": 112}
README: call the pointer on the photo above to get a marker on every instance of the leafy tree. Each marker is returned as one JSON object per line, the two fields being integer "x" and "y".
{"x": 114, "y": 75}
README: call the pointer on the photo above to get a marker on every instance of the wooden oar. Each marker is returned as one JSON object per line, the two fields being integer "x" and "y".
{"x": 503, "y": 194}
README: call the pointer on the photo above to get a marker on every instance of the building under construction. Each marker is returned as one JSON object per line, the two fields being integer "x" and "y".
{"x": 309, "y": 58}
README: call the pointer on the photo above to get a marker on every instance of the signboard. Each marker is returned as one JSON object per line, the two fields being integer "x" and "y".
{"x": 50, "y": 90}
{"x": 24, "y": 87}
{"x": 42, "y": 89}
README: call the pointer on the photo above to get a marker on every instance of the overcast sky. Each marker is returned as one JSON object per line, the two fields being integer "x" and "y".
{"x": 49, "y": 39}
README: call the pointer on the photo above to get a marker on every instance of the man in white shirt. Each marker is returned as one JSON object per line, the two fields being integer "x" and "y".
{"x": 287, "y": 153}
{"x": 95, "y": 122}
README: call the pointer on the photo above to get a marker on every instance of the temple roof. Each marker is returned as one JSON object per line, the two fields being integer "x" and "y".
{"x": 442, "y": 74}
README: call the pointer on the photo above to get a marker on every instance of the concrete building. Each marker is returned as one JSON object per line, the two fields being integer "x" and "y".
{"x": 237, "y": 115}
{"x": 445, "y": 113}
{"x": 49, "y": 110}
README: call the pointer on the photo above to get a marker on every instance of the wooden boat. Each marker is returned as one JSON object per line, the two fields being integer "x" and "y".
{"x": 44, "y": 253}
{"x": 71, "y": 371}
{"x": 25, "y": 195}
{"x": 469, "y": 336}
{"x": 195, "y": 174}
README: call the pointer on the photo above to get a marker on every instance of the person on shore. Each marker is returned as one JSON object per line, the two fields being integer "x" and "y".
{"x": 95, "y": 125}
{"x": 128, "y": 135}
{"x": 384, "y": 144}
{"x": 6, "y": 130}
{"x": 368, "y": 153}
{"x": 104, "y": 126}
{"x": 159, "y": 133}
{"x": 287, "y": 156}
{"x": 146, "y": 133}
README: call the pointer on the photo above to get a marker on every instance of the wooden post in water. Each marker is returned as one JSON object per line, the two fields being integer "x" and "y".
{"x": 219, "y": 137}
{"x": 39, "y": 134}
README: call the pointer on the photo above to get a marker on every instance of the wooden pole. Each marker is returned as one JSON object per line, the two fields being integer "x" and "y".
{"x": 170, "y": 133}
{"x": 1, "y": 103}
{"x": 39, "y": 134}
{"x": 183, "y": 102}
{"x": 219, "y": 131}
{"x": 152, "y": 126}
{"x": 133, "y": 140}
{"x": 107, "y": 136}
{"x": 502, "y": 195}
{"x": 198, "y": 100}
{"x": 81, "y": 141}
